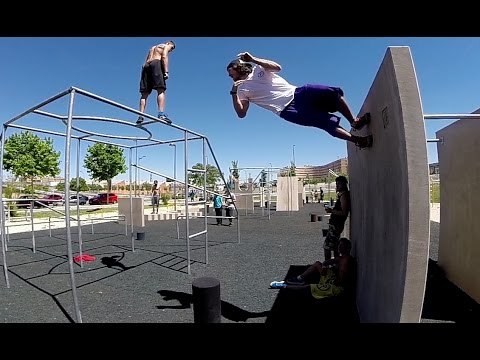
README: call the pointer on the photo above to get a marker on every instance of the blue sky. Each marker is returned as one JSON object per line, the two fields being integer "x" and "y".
{"x": 34, "y": 69}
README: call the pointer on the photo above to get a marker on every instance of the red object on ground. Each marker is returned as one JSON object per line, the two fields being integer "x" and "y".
{"x": 84, "y": 257}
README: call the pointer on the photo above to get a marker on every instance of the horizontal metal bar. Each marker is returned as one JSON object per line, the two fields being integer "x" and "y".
{"x": 40, "y": 130}
{"x": 164, "y": 142}
{"x": 196, "y": 202}
{"x": 48, "y": 114}
{"x": 435, "y": 140}
{"x": 64, "y": 135}
{"x": 256, "y": 168}
{"x": 53, "y": 98}
{"x": 197, "y": 234}
{"x": 197, "y": 170}
{"x": 451, "y": 116}
{"x": 108, "y": 101}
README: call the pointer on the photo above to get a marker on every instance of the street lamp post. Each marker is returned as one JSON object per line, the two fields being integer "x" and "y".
{"x": 174, "y": 176}
{"x": 293, "y": 150}
{"x": 137, "y": 178}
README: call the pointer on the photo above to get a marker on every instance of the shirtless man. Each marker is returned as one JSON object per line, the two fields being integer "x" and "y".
{"x": 154, "y": 76}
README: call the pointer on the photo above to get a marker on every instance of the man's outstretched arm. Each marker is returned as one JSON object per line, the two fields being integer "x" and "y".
{"x": 240, "y": 106}
{"x": 268, "y": 65}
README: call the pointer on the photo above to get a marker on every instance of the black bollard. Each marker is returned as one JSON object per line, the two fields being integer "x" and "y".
{"x": 206, "y": 300}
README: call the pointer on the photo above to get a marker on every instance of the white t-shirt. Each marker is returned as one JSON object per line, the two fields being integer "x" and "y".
{"x": 266, "y": 89}
{"x": 231, "y": 201}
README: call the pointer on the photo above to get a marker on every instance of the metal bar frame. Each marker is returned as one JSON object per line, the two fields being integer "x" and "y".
{"x": 88, "y": 136}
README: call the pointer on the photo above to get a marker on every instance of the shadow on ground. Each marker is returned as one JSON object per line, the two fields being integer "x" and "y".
{"x": 229, "y": 311}
{"x": 445, "y": 301}
{"x": 300, "y": 307}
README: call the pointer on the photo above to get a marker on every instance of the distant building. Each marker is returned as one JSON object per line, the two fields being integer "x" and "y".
{"x": 434, "y": 169}
{"x": 48, "y": 181}
{"x": 339, "y": 166}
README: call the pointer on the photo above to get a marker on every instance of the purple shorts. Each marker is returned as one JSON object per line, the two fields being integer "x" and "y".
{"x": 312, "y": 105}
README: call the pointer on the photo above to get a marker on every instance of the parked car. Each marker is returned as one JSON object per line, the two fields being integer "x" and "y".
{"x": 82, "y": 199}
{"x": 22, "y": 201}
{"x": 52, "y": 199}
{"x": 101, "y": 199}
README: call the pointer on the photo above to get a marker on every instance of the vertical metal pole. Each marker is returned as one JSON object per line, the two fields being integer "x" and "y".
{"x": 67, "y": 207}
{"x": 8, "y": 237}
{"x": 205, "y": 198}
{"x": 269, "y": 190}
{"x": 2, "y": 217}
{"x": 50, "y": 226}
{"x": 175, "y": 176}
{"x": 79, "y": 224}
{"x": 131, "y": 200}
{"x": 136, "y": 166}
{"x": 294, "y": 164}
{"x": 33, "y": 227}
{"x": 186, "y": 201}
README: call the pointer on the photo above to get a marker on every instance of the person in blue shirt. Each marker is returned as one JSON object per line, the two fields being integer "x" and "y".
{"x": 218, "y": 205}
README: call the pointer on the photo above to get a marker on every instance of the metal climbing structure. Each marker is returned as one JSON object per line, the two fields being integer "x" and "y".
{"x": 74, "y": 132}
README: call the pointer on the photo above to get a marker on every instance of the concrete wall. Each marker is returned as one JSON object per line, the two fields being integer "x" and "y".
{"x": 287, "y": 193}
{"x": 138, "y": 210}
{"x": 301, "y": 193}
{"x": 244, "y": 198}
{"x": 459, "y": 247}
{"x": 389, "y": 221}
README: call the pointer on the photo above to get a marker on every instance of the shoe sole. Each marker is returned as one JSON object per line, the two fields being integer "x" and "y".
{"x": 370, "y": 143}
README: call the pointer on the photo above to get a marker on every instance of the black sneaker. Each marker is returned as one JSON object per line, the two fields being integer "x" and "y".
{"x": 163, "y": 117}
{"x": 140, "y": 120}
{"x": 365, "y": 142}
{"x": 295, "y": 281}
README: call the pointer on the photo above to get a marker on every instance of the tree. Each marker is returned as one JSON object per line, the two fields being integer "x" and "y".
{"x": 28, "y": 156}
{"x": 292, "y": 171}
{"x": 212, "y": 175}
{"x": 73, "y": 185}
{"x": 289, "y": 171}
{"x": 104, "y": 162}
{"x": 60, "y": 186}
{"x": 82, "y": 184}
{"x": 147, "y": 186}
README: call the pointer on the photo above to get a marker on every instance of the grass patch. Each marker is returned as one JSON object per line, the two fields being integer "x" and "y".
{"x": 435, "y": 192}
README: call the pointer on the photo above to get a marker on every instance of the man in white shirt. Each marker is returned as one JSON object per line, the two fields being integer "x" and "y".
{"x": 308, "y": 105}
{"x": 230, "y": 208}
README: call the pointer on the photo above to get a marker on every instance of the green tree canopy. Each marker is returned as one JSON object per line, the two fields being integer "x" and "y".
{"x": 212, "y": 175}
{"x": 28, "y": 156}
{"x": 290, "y": 171}
{"x": 73, "y": 185}
{"x": 104, "y": 162}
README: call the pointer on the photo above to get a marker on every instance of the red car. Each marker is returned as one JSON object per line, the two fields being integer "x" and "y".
{"x": 52, "y": 199}
{"x": 101, "y": 199}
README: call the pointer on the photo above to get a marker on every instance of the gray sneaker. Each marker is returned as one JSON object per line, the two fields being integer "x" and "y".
{"x": 164, "y": 118}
